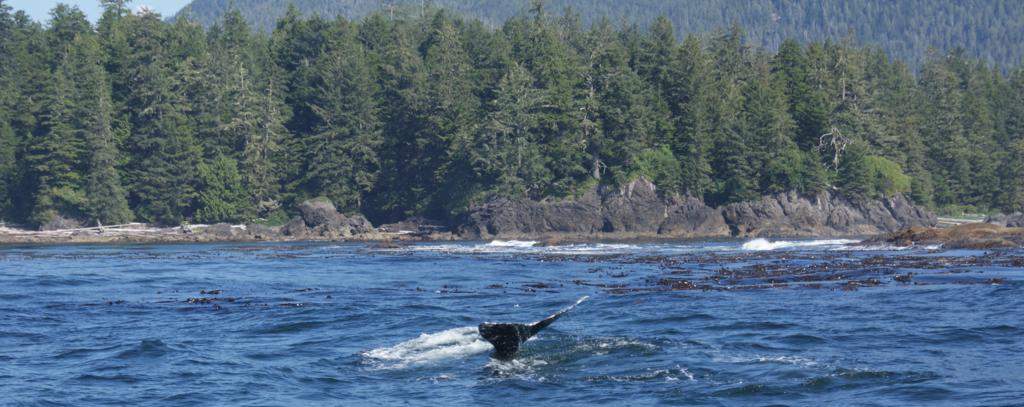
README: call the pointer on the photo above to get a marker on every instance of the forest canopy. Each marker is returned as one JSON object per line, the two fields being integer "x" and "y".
{"x": 425, "y": 114}
{"x": 990, "y": 30}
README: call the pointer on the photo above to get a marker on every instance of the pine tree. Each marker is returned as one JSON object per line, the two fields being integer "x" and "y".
{"x": 402, "y": 80}
{"x": 447, "y": 122}
{"x": 687, "y": 94}
{"x": 807, "y": 105}
{"x": 261, "y": 152}
{"x": 506, "y": 151}
{"x": 943, "y": 132}
{"x": 55, "y": 155}
{"x": 342, "y": 162}
{"x": 767, "y": 126}
{"x": 221, "y": 197}
{"x": 161, "y": 174}
{"x": 632, "y": 116}
{"x": 8, "y": 167}
{"x": 105, "y": 197}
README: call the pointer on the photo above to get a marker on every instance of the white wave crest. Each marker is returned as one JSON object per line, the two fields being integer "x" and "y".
{"x": 760, "y": 244}
{"x": 430, "y": 348}
{"x": 526, "y": 247}
{"x": 512, "y": 243}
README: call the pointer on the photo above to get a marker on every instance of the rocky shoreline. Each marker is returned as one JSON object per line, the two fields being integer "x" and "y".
{"x": 636, "y": 210}
{"x": 631, "y": 212}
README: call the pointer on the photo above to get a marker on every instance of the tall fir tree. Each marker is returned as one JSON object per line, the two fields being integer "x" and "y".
{"x": 506, "y": 152}
{"x": 162, "y": 173}
{"x": 342, "y": 162}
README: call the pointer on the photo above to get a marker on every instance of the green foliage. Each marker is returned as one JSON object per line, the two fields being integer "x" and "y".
{"x": 8, "y": 166}
{"x": 989, "y": 29}
{"x": 887, "y": 178}
{"x": 424, "y": 113}
{"x": 855, "y": 177}
{"x": 661, "y": 167}
{"x": 222, "y": 197}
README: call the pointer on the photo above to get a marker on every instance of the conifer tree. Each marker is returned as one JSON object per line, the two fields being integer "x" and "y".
{"x": 105, "y": 197}
{"x": 687, "y": 94}
{"x": 161, "y": 175}
{"x": 506, "y": 150}
{"x": 55, "y": 155}
{"x": 342, "y": 162}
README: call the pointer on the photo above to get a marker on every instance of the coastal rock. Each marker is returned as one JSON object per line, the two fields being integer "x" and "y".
{"x": 295, "y": 228}
{"x": 262, "y": 232}
{"x": 1015, "y": 220}
{"x": 324, "y": 220}
{"x": 415, "y": 226}
{"x": 823, "y": 214}
{"x": 521, "y": 217}
{"x": 967, "y": 236}
{"x": 633, "y": 210}
{"x": 358, "y": 224}
{"x": 690, "y": 217}
{"x": 223, "y": 231}
{"x": 636, "y": 210}
{"x": 319, "y": 212}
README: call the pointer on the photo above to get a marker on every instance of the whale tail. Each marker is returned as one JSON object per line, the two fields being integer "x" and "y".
{"x": 506, "y": 337}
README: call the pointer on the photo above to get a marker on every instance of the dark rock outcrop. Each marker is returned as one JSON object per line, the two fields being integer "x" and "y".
{"x": 824, "y": 214}
{"x": 295, "y": 228}
{"x": 1015, "y": 220}
{"x": 690, "y": 217}
{"x": 324, "y": 220}
{"x": 320, "y": 212}
{"x": 636, "y": 210}
{"x": 966, "y": 236}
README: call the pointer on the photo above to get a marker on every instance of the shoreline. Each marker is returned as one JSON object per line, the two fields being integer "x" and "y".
{"x": 222, "y": 233}
{"x": 966, "y": 236}
{"x": 217, "y": 234}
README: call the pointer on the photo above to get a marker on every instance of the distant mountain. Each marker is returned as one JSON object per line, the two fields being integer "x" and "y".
{"x": 992, "y": 30}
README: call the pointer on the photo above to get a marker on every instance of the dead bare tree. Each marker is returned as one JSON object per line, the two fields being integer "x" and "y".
{"x": 835, "y": 141}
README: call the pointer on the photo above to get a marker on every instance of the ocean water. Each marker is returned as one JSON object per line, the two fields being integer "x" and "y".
{"x": 757, "y": 322}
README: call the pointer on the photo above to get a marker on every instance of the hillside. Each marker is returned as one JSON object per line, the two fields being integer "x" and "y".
{"x": 429, "y": 115}
{"x": 992, "y": 30}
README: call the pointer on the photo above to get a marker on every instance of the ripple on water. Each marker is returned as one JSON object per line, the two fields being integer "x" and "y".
{"x": 147, "y": 348}
{"x": 290, "y": 327}
{"x": 667, "y": 375}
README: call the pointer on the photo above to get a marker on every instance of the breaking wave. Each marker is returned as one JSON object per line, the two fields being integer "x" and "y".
{"x": 760, "y": 244}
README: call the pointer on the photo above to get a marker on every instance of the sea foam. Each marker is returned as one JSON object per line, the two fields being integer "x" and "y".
{"x": 760, "y": 244}
{"x": 430, "y": 348}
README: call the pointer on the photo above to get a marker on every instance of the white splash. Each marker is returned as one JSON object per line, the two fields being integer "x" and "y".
{"x": 512, "y": 243}
{"x": 430, "y": 348}
{"x": 760, "y": 244}
{"x": 525, "y": 247}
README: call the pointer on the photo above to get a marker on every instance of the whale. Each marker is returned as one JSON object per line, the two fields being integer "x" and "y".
{"x": 507, "y": 337}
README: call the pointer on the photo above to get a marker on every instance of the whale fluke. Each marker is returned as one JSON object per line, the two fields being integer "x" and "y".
{"x": 506, "y": 337}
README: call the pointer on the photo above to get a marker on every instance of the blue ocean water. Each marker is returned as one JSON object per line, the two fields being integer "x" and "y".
{"x": 667, "y": 323}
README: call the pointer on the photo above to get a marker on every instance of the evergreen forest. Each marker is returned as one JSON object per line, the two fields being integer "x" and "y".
{"x": 426, "y": 113}
{"x": 991, "y": 30}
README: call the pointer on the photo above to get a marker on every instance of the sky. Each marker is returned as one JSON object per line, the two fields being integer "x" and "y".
{"x": 40, "y": 9}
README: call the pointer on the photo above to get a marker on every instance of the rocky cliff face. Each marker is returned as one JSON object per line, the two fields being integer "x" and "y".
{"x": 636, "y": 211}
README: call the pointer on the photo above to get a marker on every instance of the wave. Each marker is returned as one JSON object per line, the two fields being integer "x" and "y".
{"x": 526, "y": 247}
{"x": 512, "y": 243}
{"x": 429, "y": 348}
{"x": 760, "y": 244}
